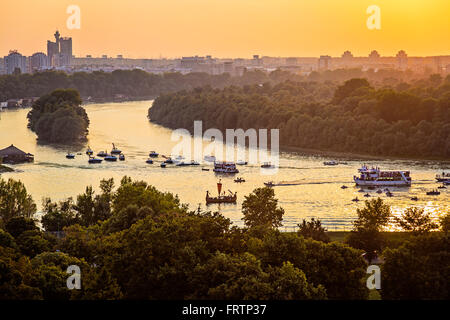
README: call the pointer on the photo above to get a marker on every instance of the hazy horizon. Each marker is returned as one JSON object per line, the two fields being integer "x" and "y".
{"x": 228, "y": 29}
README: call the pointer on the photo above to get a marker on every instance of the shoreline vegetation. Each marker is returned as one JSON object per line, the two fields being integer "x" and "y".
{"x": 356, "y": 118}
{"x": 132, "y": 241}
{"x": 4, "y": 169}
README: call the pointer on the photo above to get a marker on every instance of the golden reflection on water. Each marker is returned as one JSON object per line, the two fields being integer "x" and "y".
{"x": 317, "y": 192}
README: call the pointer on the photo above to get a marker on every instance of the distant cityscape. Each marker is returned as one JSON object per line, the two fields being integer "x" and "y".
{"x": 60, "y": 57}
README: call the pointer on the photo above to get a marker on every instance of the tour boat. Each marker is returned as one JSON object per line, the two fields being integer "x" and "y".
{"x": 70, "y": 155}
{"x": 433, "y": 193}
{"x": 331, "y": 163}
{"x": 115, "y": 150}
{"x": 225, "y": 167}
{"x": 377, "y": 177}
{"x": 149, "y": 161}
{"x": 110, "y": 158}
{"x": 153, "y": 154}
{"x": 89, "y": 151}
{"x": 443, "y": 177}
{"x": 95, "y": 160}
{"x": 102, "y": 154}
{"x": 121, "y": 157}
{"x": 221, "y": 198}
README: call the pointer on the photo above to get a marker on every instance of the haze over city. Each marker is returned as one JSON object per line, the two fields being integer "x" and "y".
{"x": 175, "y": 28}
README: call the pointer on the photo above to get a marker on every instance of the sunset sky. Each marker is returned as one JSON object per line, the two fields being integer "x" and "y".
{"x": 228, "y": 28}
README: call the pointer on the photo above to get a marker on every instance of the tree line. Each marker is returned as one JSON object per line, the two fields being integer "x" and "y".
{"x": 138, "y": 84}
{"x": 59, "y": 117}
{"x": 136, "y": 242}
{"x": 356, "y": 117}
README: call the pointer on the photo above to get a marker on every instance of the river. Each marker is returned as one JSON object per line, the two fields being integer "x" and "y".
{"x": 317, "y": 191}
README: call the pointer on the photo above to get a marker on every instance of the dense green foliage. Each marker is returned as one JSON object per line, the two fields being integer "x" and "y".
{"x": 313, "y": 229}
{"x": 353, "y": 117}
{"x": 59, "y": 117}
{"x": 136, "y": 242}
{"x": 15, "y": 201}
{"x": 137, "y": 84}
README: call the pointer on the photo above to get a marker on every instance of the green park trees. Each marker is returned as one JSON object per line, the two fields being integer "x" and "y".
{"x": 260, "y": 209}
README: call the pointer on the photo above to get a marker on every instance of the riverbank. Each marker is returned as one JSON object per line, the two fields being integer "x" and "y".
{"x": 4, "y": 169}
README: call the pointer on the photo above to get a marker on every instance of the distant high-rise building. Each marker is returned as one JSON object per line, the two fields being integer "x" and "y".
{"x": 402, "y": 60}
{"x": 65, "y": 51}
{"x": 59, "y": 53}
{"x": 2, "y": 66}
{"x": 324, "y": 62}
{"x": 39, "y": 61}
{"x": 15, "y": 61}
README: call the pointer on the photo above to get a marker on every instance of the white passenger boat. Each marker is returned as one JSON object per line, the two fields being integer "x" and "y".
{"x": 225, "y": 167}
{"x": 377, "y": 177}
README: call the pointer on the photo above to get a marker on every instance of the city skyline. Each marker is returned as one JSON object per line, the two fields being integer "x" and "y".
{"x": 229, "y": 30}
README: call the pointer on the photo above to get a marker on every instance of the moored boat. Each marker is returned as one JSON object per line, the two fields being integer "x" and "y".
{"x": 149, "y": 161}
{"x": 377, "y": 177}
{"x": 70, "y": 155}
{"x": 95, "y": 160}
{"x": 433, "y": 193}
{"x": 267, "y": 165}
{"x": 89, "y": 151}
{"x": 331, "y": 163}
{"x": 110, "y": 158}
{"x": 239, "y": 180}
{"x": 162, "y": 165}
{"x": 115, "y": 150}
{"x": 102, "y": 154}
{"x": 153, "y": 154}
{"x": 121, "y": 157}
{"x": 443, "y": 177}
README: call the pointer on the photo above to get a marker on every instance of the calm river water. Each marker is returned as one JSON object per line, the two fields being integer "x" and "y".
{"x": 317, "y": 192}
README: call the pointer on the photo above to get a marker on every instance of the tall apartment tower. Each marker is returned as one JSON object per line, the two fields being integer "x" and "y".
{"x": 59, "y": 52}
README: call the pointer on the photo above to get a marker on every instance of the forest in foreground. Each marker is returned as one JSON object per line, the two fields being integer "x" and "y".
{"x": 408, "y": 120}
{"x": 133, "y": 241}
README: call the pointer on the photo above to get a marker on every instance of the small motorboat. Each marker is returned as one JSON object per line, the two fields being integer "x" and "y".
{"x": 194, "y": 163}
{"x": 149, "y": 161}
{"x": 414, "y": 198}
{"x": 241, "y": 162}
{"x": 389, "y": 194}
{"x": 89, "y": 151}
{"x": 267, "y": 165}
{"x": 239, "y": 180}
{"x": 379, "y": 191}
{"x": 355, "y": 199}
{"x": 168, "y": 161}
{"x": 110, "y": 158}
{"x": 446, "y": 182}
{"x": 205, "y": 169}
{"x": 331, "y": 163}
{"x": 121, "y": 157}
{"x": 183, "y": 164}
{"x": 362, "y": 190}
{"x": 115, "y": 150}
{"x": 433, "y": 193}
{"x": 344, "y": 187}
{"x": 367, "y": 195}
{"x": 95, "y": 160}
{"x": 153, "y": 154}
{"x": 269, "y": 184}
{"x": 70, "y": 155}
{"x": 442, "y": 187}
{"x": 163, "y": 165}
{"x": 102, "y": 154}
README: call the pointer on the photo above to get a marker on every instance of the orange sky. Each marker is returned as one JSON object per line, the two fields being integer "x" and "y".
{"x": 228, "y": 28}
